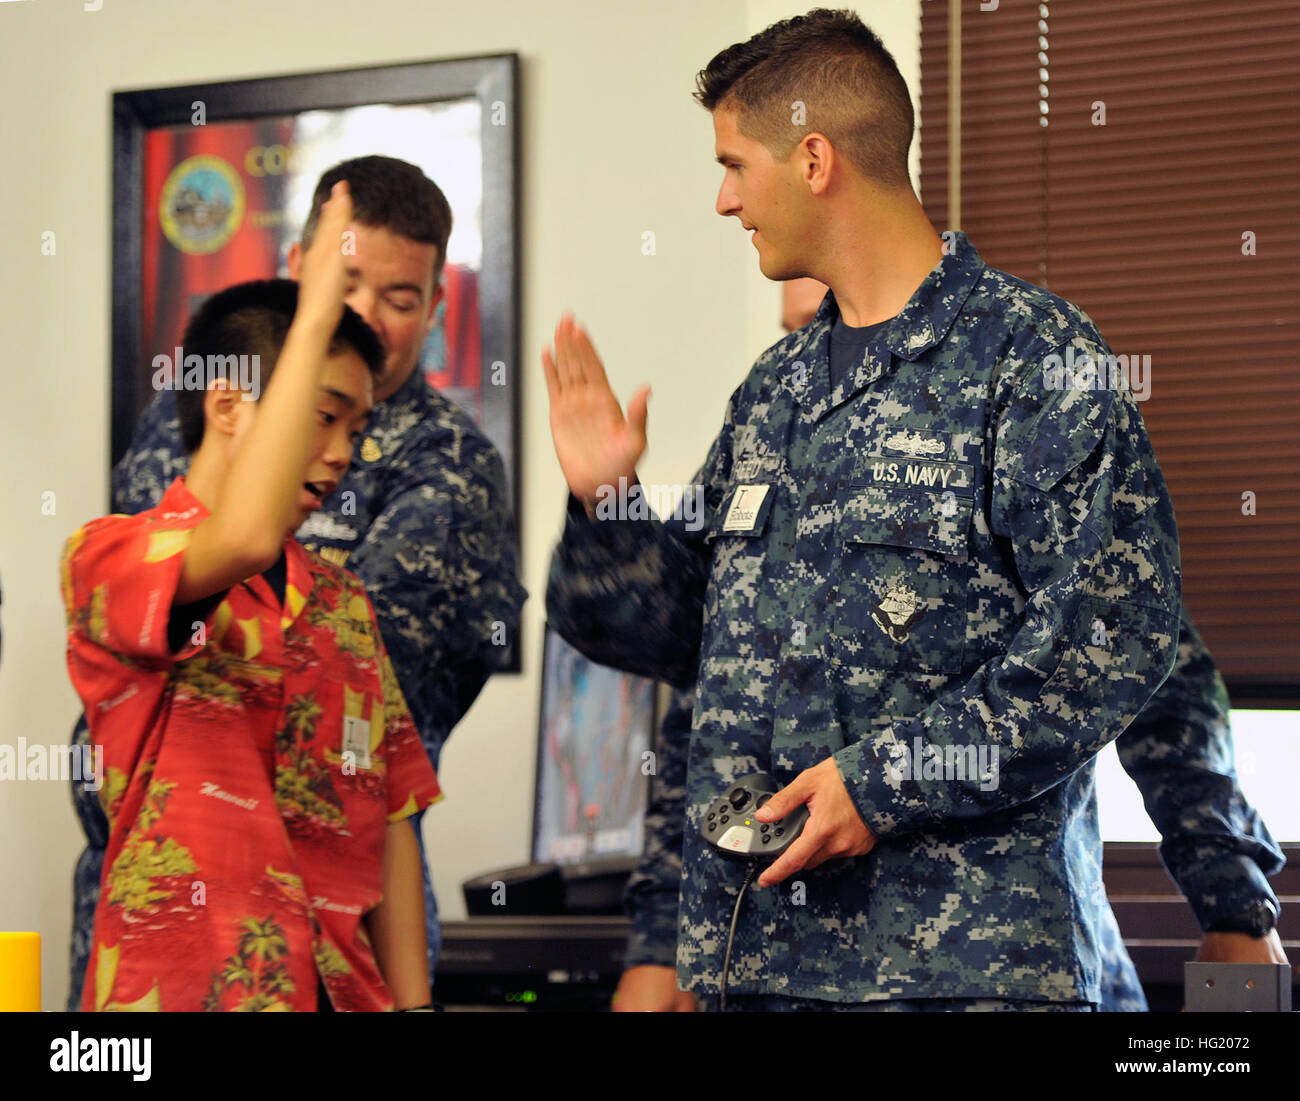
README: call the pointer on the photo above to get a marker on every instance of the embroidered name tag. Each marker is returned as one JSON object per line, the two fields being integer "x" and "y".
{"x": 922, "y": 473}
{"x": 755, "y": 467}
{"x": 746, "y": 512}
{"x": 356, "y": 740}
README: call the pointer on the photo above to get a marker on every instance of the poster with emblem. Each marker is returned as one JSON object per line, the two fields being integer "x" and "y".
{"x": 213, "y": 183}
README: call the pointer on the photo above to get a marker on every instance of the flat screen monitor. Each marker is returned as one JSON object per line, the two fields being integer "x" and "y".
{"x": 596, "y": 727}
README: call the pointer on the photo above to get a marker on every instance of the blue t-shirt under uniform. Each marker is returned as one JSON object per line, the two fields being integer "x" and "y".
{"x": 848, "y": 346}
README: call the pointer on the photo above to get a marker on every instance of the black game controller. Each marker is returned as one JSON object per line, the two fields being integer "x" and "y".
{"x": 730, "y": 827}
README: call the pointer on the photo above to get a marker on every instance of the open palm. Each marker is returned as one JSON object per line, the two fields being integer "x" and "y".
{"x": 596, "y": 444}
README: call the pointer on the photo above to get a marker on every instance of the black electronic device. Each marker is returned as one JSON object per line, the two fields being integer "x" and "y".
{"x": 730, "y": 829}
{"x": 535, "y": 964}
{"x": 528, "y": 889}
{"x": 596, "y": 888}
{"x": 729, "y": 825}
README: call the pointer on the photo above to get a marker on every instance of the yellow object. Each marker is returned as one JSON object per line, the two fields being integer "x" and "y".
{"x": 408, "y": 809}
{"x": 295, "y": 600}
{"x": 105, "y": 972}
{"x": 20, "y": 972}
{"x": 223, "y": 618}
{"x": 252, "y": 628}
{"x": 164, "y": 544}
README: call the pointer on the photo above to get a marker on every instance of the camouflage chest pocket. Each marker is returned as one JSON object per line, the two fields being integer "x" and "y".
{"x": 903, "y": 568}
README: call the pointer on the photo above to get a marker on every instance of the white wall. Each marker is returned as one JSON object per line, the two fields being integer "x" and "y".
{"x": 613, "y": 145}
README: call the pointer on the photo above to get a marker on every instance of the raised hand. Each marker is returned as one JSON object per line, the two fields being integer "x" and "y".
{"x": 595, "y": 443}
{"x": 322, "y": 274}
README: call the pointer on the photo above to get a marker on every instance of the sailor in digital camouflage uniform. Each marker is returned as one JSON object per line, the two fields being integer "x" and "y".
{"x": 1179, "y": 751}
{"x": 944, "y": 552}
{"x": 933, "y": 582}
{"x": 421, "y": 517}
{"x": 928, "y": 591}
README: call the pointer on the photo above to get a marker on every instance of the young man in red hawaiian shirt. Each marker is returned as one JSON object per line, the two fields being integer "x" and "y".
{"x": 260, "y": 766}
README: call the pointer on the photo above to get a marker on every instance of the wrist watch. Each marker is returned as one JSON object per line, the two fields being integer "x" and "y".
{"x": 1257, "y": 920}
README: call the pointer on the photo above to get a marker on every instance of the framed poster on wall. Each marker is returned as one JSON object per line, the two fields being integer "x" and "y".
{"x": 212, "y": 184}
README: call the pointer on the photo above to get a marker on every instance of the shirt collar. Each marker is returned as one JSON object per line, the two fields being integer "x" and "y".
{"x": 407, "y": 397}
{"x": 929, "y": 313}
{"x": 177, "y": 502}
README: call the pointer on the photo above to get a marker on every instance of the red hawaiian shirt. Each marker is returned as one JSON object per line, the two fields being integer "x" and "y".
{"x": 248, "y": 775}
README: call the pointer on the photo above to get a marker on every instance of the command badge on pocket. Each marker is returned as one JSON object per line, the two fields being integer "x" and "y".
{"x": 897, "y": 611}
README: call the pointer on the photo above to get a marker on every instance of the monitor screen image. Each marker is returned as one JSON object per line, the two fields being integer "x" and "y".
{"x": 597, "y": 725}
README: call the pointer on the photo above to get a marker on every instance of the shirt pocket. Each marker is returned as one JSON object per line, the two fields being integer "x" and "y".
{"x": 330, "y": 772}
{"x": 903, "y": 577}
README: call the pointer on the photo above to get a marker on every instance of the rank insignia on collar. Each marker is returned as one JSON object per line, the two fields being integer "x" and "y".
{"x": 370, "y": 450}
{"x": 897, "y": 611}
{"x": 336, "y": 555}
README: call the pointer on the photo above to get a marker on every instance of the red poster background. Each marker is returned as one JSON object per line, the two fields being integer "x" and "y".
{"x": 176, "y": 281}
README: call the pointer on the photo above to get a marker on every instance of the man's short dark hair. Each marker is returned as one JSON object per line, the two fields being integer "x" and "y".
{"x": 834, "y": 66}
{"x": 253, "y": 319}
{"x": 389, "y": 194}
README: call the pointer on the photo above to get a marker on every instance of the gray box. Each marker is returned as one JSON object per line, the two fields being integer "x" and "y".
{"x": 1237, "y": 987}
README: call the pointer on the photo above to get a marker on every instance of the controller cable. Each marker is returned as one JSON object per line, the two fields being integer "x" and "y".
{"x": 731, "y": 933}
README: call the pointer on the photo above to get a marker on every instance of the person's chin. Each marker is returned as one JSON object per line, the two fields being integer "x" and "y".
{"x": 301, "y": 516}
{"x": 773, "y": 269}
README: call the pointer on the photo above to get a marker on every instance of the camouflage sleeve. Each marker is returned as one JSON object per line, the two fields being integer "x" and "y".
{"x": 1179, "y": 752}
{"x": 154, "y": 460}
{"x": 1082, "y": 510}
{"x": 440, "y": 567}
{"x": 1121, "y": 989}
{"x": 653, "y": 890}
{"x": 627, "y": 590}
